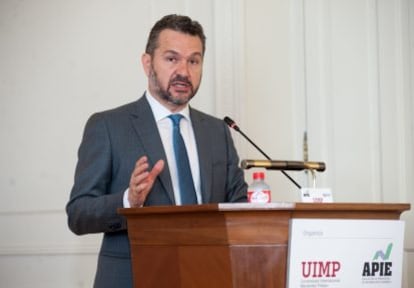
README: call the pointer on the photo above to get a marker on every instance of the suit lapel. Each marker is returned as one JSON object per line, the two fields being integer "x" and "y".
{"x": 203, "y": 142}
{"x": 146, "y": 128}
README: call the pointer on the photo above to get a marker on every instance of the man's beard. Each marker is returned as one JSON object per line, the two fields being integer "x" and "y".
{"x": 165, "y": 93}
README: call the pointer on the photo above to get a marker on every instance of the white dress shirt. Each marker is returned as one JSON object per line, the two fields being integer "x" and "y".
{"x": 165, "y": 128}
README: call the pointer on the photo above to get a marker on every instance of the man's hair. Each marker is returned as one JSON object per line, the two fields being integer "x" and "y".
{"x": 177, "y": 23}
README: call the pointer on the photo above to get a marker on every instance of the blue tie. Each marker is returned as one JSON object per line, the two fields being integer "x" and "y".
{"x": 185, "y": 178}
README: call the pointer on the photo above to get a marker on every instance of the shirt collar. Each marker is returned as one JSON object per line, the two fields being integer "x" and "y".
{"x": 160, "y": 112}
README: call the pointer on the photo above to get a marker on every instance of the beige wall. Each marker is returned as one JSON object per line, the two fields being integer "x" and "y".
{"x": 339, "y": 69}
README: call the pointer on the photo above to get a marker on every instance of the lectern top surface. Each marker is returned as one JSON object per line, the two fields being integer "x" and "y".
{"x": 281, "y": 206}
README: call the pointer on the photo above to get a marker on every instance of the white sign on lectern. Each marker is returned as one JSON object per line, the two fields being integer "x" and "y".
{"x": 334, "y": 253}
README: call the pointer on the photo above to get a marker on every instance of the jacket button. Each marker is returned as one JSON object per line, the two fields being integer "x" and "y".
{"x": 114, "y": 226}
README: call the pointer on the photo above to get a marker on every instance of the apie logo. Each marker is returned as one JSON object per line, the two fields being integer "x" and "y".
{"x": 379, "y": 268}
{"x": 384, "y": 256}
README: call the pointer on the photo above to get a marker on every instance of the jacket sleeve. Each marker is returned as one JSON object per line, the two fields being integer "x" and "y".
{"x": 92, "y": 207}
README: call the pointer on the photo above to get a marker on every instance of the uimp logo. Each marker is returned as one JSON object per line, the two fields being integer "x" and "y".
{"x": 379, "y": 268}
{"x": 319, "y": 269}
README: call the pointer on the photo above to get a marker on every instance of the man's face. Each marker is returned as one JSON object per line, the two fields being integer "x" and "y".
{"x": 174, "y": 72}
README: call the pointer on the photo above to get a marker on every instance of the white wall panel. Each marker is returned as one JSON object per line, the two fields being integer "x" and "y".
{"x": 42, "y": 232}
{"x": 36, "y": 271}
{"x": 405, "y": 20}
{"x": 38, "y": 250}
{"x": 270, "y": 114}
{"x": 357, "y": 90}
{"x": 62, "y": 61}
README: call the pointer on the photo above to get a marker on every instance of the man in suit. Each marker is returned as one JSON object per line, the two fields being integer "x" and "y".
{"x": 127, "y": 155}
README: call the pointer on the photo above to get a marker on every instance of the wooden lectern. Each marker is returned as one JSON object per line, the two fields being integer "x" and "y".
{"x": 226, "y": 245}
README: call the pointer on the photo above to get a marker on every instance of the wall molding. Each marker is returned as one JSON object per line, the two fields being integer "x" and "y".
{"x": 374, "y": 92}
{"x": 42, "y": 232}
{"x": 49, "y": 250}
{"x": 31, "y": 212}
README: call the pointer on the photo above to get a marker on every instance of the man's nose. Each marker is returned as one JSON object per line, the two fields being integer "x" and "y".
{"x": 183, "y": 68}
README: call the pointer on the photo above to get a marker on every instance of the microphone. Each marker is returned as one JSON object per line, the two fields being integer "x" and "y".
{"x": 284, "y": 165}
{"x": 233, "y": 125}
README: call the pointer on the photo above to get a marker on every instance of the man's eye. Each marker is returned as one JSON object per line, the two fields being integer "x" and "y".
{"x": 194, "y": 62}
{"x": 172, "y": 59}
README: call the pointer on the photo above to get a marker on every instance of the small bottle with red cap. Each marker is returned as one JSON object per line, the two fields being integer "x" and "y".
{"x": 258, "y": 191}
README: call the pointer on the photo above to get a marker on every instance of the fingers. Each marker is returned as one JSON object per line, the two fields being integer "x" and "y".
{"x": 142, "y": 180}
{"x": 139, "y": 173}
{"x": 156, "y": 170}
{"x": 141, "y": 165}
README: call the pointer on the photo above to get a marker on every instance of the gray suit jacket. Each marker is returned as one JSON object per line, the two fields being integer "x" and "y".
{"x": 112, "y": 142}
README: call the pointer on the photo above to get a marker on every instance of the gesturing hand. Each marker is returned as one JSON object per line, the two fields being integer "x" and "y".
{"x": 142, "y": 180}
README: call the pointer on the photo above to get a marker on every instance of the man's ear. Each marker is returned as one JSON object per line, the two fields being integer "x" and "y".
{"x": 146, "y": 63}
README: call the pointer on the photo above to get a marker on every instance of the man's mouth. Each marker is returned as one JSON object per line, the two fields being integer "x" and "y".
{"x": 181, "y": 86}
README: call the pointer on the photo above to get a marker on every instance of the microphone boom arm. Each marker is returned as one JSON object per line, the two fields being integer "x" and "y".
{"x": 233, "y": 125}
